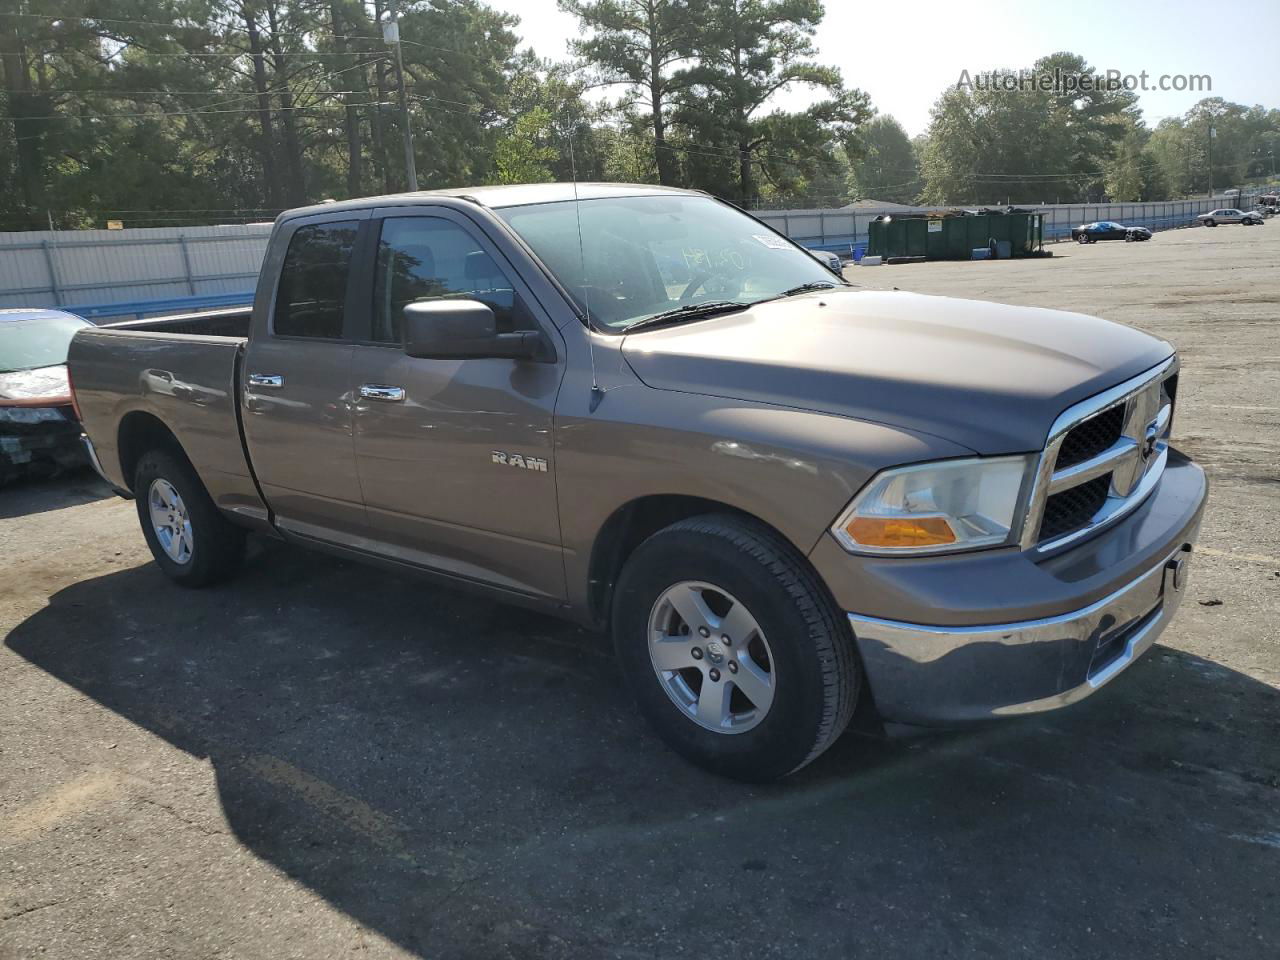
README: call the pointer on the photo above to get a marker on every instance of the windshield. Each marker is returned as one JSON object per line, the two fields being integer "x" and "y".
{"x": 650, "y": 255}
{"x": 41, "y": 342}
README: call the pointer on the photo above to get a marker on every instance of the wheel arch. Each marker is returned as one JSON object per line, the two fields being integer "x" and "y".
{"x": 634, "y": 522}
{"x": 140, "y": 431}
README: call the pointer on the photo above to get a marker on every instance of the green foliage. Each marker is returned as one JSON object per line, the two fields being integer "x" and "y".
{"x": 887, "y": 170}
{"x": 635, "y": 44}
{"x": 746, "y": 51}
{"x": 523, "y": 155}
{"x": 989, "y": 145}
{"x": 1243, "y": 148}
{"x": 1132, "y": 173}
{"x": 162, "y": 112}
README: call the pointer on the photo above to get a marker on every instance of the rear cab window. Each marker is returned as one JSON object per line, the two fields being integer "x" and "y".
{"x": 311, "y": 297}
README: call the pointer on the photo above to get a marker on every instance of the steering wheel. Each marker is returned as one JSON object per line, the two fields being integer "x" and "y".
{"x": 696, "y": 283}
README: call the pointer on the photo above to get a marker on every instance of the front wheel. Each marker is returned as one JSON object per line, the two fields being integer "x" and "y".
{"x": 1083, "y": 238}
{"x": 1211, "y": 223}
{"x": 733, "y": 649}
{"x": 191, "y": 541}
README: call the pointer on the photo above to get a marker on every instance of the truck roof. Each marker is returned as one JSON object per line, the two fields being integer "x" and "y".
{"x": 15, "y": 314}
{"x": 503, "y": 195}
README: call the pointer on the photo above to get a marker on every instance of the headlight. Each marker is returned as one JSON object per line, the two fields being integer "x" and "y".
{"x": 939, "y": 507}
{"x": 31, "y": 415}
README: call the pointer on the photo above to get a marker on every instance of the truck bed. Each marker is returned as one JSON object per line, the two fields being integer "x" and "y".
{"x": 229, "y": 322}
{"x": 178, "y": 374}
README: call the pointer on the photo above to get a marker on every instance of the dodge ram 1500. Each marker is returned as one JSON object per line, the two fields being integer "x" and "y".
{"x": 644, "y": 409}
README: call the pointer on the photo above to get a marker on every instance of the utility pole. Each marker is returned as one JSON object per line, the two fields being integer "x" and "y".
{"x": 391, "y": 35}
{"x": 1212, "y": 133}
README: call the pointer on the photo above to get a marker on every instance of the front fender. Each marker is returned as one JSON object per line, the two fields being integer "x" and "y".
{"x": 793, "y": 469}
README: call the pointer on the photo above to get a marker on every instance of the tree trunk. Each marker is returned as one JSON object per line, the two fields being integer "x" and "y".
{"x": 746, "y": 182}
{"x": 379, "y": 129}
{"x": 296, "y": 188}
{"x": 352, "y": 119}
{"x": 266, "y": 142}
{"x": 24, "y": 103}
{"x": 746, "y": 187}
{"x": 666, "y": 161}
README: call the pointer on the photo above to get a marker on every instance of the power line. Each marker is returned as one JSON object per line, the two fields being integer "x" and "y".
{"x": 370, "y": 37}
{"x": 188, "y": 113}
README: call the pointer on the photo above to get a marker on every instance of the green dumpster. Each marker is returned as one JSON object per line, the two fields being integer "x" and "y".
{"x": 953, "y": 236}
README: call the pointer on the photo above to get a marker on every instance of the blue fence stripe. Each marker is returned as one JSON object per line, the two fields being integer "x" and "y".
{"x": 151, "y": 308}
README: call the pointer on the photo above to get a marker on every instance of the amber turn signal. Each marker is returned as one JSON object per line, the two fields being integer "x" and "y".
{"x": 901, "y": 531}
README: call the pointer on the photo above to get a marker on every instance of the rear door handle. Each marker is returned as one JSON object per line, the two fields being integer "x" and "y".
{"x": 268, "y": 381}
{"x": 381, "y": 391}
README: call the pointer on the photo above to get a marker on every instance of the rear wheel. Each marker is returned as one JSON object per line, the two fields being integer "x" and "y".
{"x": 734, "y": 651}
{"x": 191, "y": 541}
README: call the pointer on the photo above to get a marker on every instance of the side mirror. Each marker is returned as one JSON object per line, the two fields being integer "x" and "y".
{"x": 464, "y": 330}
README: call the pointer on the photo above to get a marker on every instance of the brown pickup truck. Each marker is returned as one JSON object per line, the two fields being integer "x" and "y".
{"x": 644, "y": 409}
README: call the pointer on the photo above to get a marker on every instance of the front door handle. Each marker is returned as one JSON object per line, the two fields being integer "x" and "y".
{"x": 268, "y": 381}
{"x": 381, "y": 391}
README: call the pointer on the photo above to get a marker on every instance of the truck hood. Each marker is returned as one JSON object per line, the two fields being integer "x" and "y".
{"x": 989, "y": 376}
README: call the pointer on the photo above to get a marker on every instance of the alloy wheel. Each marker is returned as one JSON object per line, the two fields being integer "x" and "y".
{"x": 711, "y": 657}
{"x": 170, "y": 521}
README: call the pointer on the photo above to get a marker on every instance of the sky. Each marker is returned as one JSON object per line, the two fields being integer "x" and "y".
{"x": 904, "y": 54}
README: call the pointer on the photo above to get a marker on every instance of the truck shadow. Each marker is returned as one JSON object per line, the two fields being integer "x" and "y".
{"x": 37, "y": 494}
{"x": 461, "y": 777}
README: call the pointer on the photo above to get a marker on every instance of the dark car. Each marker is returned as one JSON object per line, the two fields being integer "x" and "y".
{"x": 828, "y": 259}
{"x": 39, "y": 429}
{"x": 1108, "y": 230}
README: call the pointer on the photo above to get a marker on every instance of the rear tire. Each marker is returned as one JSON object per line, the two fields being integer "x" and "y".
{"x": 738, "y": 615}
{"x": 192, "y": 542}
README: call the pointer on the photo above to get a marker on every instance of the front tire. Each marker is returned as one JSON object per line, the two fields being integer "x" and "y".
{"x": 191, "y": 541}
{"x": 733, "y": 649}
{"x": 1211, "y": 223}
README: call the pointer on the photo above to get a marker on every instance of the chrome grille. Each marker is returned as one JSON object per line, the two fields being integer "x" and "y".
{"x": 1073, "y": 508}
{"x": 1091, "y": 437}
{"x": 1103, "y": 457}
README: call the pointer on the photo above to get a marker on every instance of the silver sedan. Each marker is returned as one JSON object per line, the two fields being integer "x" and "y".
{"x": 1231, "y": 215}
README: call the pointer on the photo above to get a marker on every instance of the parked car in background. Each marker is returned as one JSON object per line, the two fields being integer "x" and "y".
{"x": 39, "y": 430}
{"x": 1108, "y": 230}
{"x": 1246, "y": 218}
{"x": 828, "y": 259}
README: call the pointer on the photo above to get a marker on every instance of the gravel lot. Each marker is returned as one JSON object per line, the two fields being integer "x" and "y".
{"x": 320, "y": 759}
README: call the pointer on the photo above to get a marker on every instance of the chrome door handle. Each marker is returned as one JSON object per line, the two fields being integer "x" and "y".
{"x": 380, "y": 391}
{"x": 268, "y": 381}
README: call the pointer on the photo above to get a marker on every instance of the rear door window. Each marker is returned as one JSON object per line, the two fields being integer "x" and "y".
{"x": 313, "y": 282}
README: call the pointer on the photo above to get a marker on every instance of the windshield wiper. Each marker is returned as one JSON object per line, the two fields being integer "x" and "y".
{"x": 691, "y": 311}
{"x": 806, "y": 287}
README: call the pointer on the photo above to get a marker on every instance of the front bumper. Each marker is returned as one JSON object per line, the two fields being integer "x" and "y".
{"x": 972, "y": 666}
{"x": 40, "y": 448}
{"x": 937, "y": 675}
